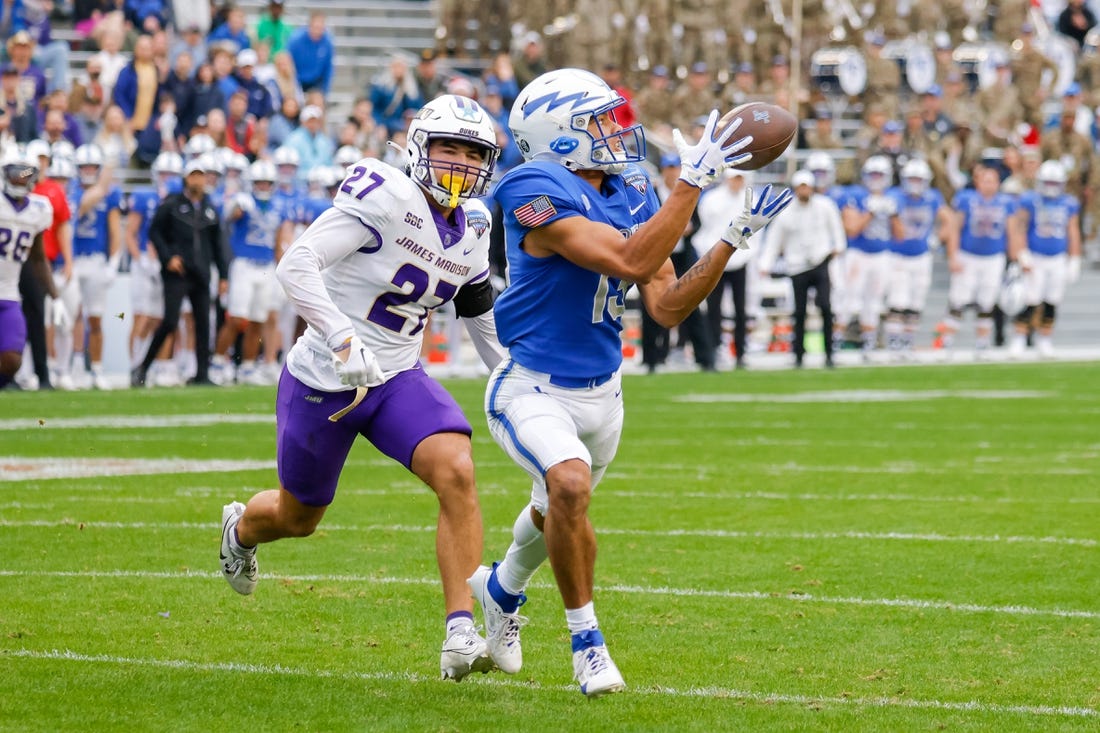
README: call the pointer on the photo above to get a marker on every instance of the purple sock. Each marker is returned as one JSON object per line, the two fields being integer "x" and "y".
{"x": 459, "y": 619}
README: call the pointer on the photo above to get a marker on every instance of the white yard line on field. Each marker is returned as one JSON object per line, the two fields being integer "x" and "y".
{"x": 753, "y": 595}
{"x": 849, "y": 396}
{"x": 135, "y": 421}
{"x": 17, "y": 468}
{"x": 715, "y": 533}
{"x": 709, "y": 692}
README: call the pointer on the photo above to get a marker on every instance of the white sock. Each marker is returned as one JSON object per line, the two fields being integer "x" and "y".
{"x": 524, "y": 556}
{"x": 581, "y": 619}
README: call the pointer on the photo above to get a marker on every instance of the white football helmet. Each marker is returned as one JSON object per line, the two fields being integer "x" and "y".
{"x": 39, "y": 149}
{"x": 62, "y": 149}
{"x": 551, "y": 116}
{"x": 62, "y": 170}
{"x": 322, "y": 178}
{"x": 199, "y": 145}
{"x": 88, "y": 160}
{"x": 877, "y": 173}
{"x": 261, "y": 177}
{"x": 1012, "y": 297}
{"x": 915, "y": 177}
{"x": 20, "y": 172}
{"x": 168, "y": 163}
{"x": 286, "y": 161}
{"x": 451, "y": 117}
{"x": 821, "y": 165}
{"x": 1051, "y": 179}
{"x": 347, "y": 155}
{"x": 233, "y": 161}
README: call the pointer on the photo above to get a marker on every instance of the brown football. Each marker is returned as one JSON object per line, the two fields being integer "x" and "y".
{"x": 772, "y": 129}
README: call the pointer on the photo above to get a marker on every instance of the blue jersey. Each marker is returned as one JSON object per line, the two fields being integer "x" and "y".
{"x": 313, "y": 208}
{"x": 144, "y": 203}
{"x": 877, "y": 236}
{"x": 252, "y": 236}
{"x": 1048, "y": 221}
{"x": 838, "y": 195}
{"x": 557, "y": 317}
{"x": 292, "y": 202}
{"x": 917, "y": 215}
{"x": 90, "y": 232}
{"x": 985, "y": 221}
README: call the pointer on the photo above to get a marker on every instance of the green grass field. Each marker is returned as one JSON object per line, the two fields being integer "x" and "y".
{"x": 895, "y": 549}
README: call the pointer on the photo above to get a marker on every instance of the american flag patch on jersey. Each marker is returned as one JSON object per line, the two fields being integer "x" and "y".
{"x": 535, "y": 212}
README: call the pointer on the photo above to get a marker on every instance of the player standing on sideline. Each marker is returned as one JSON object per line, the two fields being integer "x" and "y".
{"x": 146, "y": 288}
{"x": 921, "y": 213}
{"x": 187, "y": 235}
{"x": 395, "y": 246}
{"x": 97, "y": 249}
{"x": 582, "y": 224}
{"x": 867, "y": 222}
{"x": 981, "y": 233}
{"x": 23, "y": 218}
{"x": 1052, "y": 257}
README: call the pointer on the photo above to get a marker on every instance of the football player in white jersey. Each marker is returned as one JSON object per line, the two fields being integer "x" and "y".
{"x": 582, "y": 223}
{"x": 23, "y": 218}
{"x": 396, "y": 245}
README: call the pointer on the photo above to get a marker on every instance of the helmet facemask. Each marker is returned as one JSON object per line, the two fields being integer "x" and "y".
{"x": 451, "y": 183}
{"x": 19, "y": 179}
{"x": 611, "y": 151}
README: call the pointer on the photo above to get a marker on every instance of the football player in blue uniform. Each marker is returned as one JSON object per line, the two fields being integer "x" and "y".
{"x": 582, "y": 224}
{"x": 1052, "y": 258}
{"x": 921, "y": 214}
{"x": 977, "y": 247}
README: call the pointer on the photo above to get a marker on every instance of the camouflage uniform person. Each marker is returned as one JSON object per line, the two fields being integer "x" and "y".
{"x": 590, "y": 42}
{"x": 742, "y": 88}
{"x": 867, "y": 136}
{"x": 959, "y": 152}
{"x": 1023, "y": 178}
{"x": 654, "y": 102}
{"x": 530, "y": 62}
{"x": 1028, "y": 65}
{"x": 1009, "y": 16}
{"x": 658, "y": 39}
{"x": 1088, "y": 70}
{"x": 771, "y": 40}
{"x": 957, "y": 99}
{"x": 999, "y": 108}
{"x": 883, "y": 77}
{"x": 944, "y": 53}
{"x": 1074, "y": 151}
{"x": 822, "y": 136}
{"x": 697, "y": 19}
{"x": 452, "y": 16}
{"x": 695, "y": 97}
{"x": 733, "y": 20}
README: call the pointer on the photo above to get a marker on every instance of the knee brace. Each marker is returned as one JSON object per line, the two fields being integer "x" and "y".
{"x": 1048, "y": 313}
{"x": 988, "y": 315}
{"x": 1024, "y": 316}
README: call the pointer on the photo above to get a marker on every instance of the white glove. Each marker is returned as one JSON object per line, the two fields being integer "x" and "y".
{"x": 59, "y": 315}
{"x": 1073, "y": 269}
{"x": 113, "y": 263}
{"x": 702, "y": 163}
{"x": 756, "y": 215}
{"x": 245, "y": 203}
{"x": 361, "y": 368}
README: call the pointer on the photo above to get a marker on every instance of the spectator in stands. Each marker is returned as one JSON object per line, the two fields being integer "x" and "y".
{"x": 283, "y": 80}
{"x": 232, "y": 30}
{"x": 612, "y": 74}
{"x": 59, "y": 101}
{"x": 743, "y": 89}
{"x": 19, "y": 115}
{"x": 654, "y": 102}
{"x": 259, "y": 98}
{"x": 283, "y": 122}
{"x": 138, "y": 12}
{"x": 1076, "y": 21}
{"x": 936, "y": 123}
{"x": 179, "y": 82}
{"x": 998, "y": 107}
{"x": 55, "y": 127}
{"x": 115, "y": 138}
{"x": 531, "y": 61}
{"x": 239, "y": 124}
{"x": 1072, "y": 103}
{"x": 191, "y": 42}
{"x": 695, "y": 98}
{"x": 136, "y": 90}
{"x": 503, "y": 75}
{"x": 392, "y": 93}
{"x": 33, "y": 16}
{"x": 271, "y": 30}
{"x": 88, "y": 90}
{"x": 159, "y": 135}
{"x": 314, "y": 147}
{"x": 33, "y": 80}
{"x": 428, "y": 79}
{"x": 216, "y": 127}
{"x": 205, "y": 96}
{"x": 314, "y": 54}
{"x": 111, "y": 59}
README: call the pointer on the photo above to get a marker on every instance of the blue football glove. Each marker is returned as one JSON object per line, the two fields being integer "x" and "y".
{"x": 702, "y": 163}
{"x": 756, "y": 215}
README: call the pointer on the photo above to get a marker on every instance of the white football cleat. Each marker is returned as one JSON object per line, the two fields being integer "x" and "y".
{"x": 238, "y": 566}
{"x": 464, "y": 651}
{"x": 501, "y": 628}
{"x": 1045, "y": 347}
{"x": 592, "y": 665}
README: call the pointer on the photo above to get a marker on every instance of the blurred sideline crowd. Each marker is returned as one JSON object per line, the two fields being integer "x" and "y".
{"x": 249, "y": 96}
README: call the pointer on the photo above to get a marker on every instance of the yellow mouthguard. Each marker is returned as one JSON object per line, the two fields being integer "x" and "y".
{"x": 455, "y": 184}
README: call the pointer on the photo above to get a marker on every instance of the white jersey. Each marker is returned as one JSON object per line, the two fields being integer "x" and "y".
{"x": 18, "y": 228}
{"x": 374, "y": 265}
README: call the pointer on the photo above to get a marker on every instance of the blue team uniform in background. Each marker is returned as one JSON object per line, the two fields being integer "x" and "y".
{"x": 557, "y": 317}
{"x": 877, "y": 235}
{"x": 1048, "y": 221}
{"x": 90, "y": 232}
{"x": 144, "y": 203}
{"x": 918, "y": 218}
{"x": 252, "y": 236}
{"x": 985, "y": 231}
